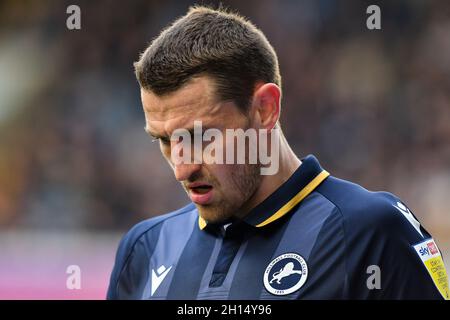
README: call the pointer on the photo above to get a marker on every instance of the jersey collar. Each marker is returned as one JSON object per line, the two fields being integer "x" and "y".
{"x": 302, "y": 182}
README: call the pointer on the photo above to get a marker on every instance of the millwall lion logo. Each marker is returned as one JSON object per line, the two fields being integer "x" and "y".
{"x": 284, "y": 272}
{"x": 287, "y": 273}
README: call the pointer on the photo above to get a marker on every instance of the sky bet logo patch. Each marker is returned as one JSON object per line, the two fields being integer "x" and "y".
{"x": 286, "y": 274}
{"x": 432, "y": 247}
{"x": 431, "y": 258}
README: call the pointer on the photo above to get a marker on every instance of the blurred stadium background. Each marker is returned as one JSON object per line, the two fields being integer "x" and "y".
{"x": 77, "y": 169}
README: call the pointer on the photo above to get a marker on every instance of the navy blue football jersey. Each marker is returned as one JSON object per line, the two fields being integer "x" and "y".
{"x": 315, "y": 237}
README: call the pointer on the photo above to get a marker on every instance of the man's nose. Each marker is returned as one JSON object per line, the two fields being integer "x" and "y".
{"x": 183, "y": 168}
{"x": 184, "y": 171}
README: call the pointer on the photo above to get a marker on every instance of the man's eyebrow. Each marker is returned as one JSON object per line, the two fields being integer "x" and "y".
{"x": 204, "y": 128}
{"x": 158, "y": 136}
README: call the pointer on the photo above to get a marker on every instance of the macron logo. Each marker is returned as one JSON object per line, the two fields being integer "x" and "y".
{"x": 158, "y": 277}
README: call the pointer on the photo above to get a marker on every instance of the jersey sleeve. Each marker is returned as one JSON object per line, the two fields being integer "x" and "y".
{"x": 123, "y": 251}
{"x": 391, "y": 256}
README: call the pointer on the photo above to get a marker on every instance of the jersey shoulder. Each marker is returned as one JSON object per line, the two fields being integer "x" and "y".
{"x": 147, "y": 225}
{"x": 365, "y": 211}
{"x": 380, "y": 230}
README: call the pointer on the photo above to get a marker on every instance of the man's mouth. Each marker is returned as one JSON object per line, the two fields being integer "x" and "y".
{"x": 200, "y": 193}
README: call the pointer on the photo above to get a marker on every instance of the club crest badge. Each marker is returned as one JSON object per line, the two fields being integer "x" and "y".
{"x": 285, "y": 274}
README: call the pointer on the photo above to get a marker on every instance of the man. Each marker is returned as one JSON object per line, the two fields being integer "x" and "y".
{"x": 298, "y": 233}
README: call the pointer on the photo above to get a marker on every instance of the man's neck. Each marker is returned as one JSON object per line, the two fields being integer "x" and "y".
{"x": 288, "y": 164}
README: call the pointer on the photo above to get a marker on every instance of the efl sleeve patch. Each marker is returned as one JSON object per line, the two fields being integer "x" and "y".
{"x": 432, "y": 259}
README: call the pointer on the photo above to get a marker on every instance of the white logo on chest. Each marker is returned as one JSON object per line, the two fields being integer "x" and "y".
{"x": 285, "y": 274}
{"x": 158, "y": 277}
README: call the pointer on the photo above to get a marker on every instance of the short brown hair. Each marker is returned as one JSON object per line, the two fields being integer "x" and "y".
{"x": 211, "y": 42}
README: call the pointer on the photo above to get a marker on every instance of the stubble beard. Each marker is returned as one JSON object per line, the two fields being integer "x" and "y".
{"x": 245, "y": 180}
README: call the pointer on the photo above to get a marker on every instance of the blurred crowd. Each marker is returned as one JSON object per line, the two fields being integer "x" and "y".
{"x": 372, "y": 105}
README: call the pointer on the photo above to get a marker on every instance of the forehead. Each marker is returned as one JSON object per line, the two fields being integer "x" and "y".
{"x": 195, "y": 101}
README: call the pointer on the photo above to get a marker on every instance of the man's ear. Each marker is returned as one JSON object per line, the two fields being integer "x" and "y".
{"x": 266, "y": 105}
